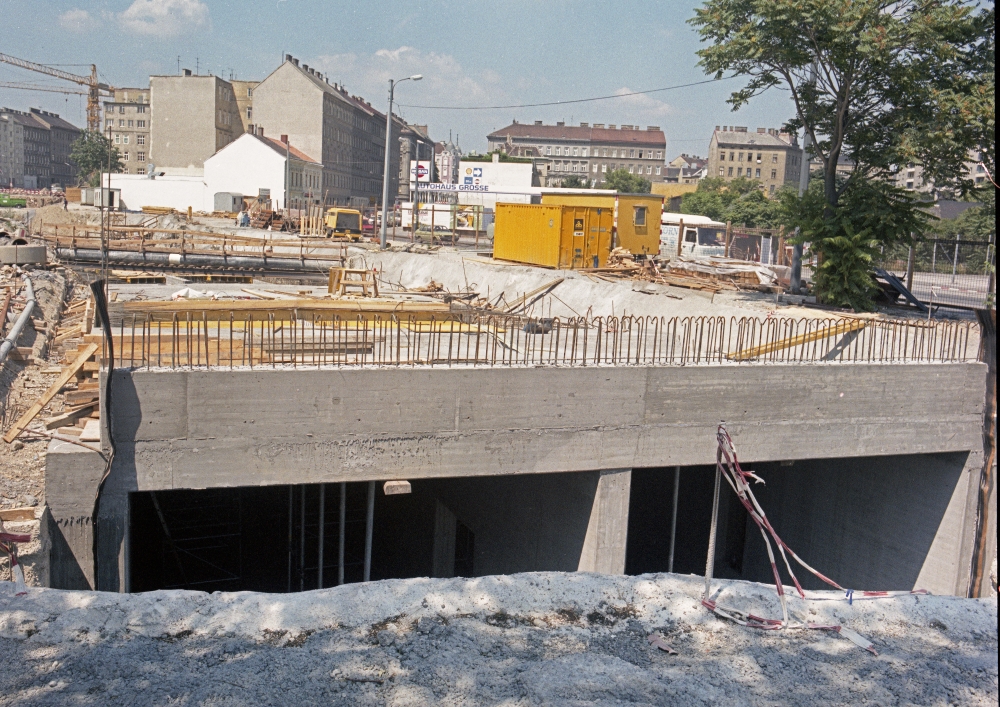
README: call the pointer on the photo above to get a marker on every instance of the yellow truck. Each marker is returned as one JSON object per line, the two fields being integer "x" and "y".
{"x": 343, "y": 223}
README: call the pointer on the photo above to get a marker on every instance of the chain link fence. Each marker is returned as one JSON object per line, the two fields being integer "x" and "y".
{"x": 947, "y": 272}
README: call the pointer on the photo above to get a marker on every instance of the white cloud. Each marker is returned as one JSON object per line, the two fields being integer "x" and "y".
{"x": 642, "y": 105}
{"x": 165, "y": 18}
{"x": 77, "y": 20}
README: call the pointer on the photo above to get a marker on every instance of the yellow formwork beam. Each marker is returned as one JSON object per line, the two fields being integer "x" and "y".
{"x": 845, "y": 326}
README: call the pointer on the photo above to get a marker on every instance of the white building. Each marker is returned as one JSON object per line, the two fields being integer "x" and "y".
{"x": 254, "y": 162}
{"x": 247, "y": 166}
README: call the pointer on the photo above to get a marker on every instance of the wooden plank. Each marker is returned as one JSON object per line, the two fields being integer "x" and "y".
{"x": 64, "y": 377}
{"x": 13, "y": 515}
{"x": 81, "y": 397}
{"x": 69, "y": 417}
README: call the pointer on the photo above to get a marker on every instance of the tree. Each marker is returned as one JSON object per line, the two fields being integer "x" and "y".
{"x": 574, "y": 182}
{"x": 881, "y": 82}
{"x": 740, "y": 201}
{"x": 90, "y": 154}
{"x": 621, "y": 180}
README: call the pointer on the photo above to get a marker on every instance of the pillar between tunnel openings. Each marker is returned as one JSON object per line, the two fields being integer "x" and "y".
{"x": 607, "y": 532}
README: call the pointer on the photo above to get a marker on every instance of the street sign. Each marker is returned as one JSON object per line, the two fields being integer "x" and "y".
{"x": 420, "y": 171}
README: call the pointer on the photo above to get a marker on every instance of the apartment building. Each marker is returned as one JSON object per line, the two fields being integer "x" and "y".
{"x": 243, "y": 90}
{"x": 414, "y": 144}
{"x": 343, "y": 132}
{"x": 35, "y": 148}
{"x": 912, "y": 177}
{"x": 587, "y": 151}
{"x": 127, "y": 121}
{"x": 771, "y": 157}
{"x": 686, "y": 169}
{"x": 192, "y": 118}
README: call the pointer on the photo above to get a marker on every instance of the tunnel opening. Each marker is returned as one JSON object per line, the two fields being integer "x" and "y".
{"x": 868, "y": 522}
{"x": 288, "y": 538}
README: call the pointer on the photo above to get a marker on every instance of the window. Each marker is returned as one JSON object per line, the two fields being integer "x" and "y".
{"x": 140, "y": 109}
{"x": 558, "y": 150}
{"x": 639, "y": 216}
{"x": 604, "y": 153}
{"x": 722, "y": 155}
{"x": 125, "y": 139}
{"x": 125, "y": 156}
{"x": 770, "y": 190}
{"x": 730, "y": 171}
{"x": 118, "y": 139}
{"x": 732, "y": 156}
{"x": 774, "y": 158}
{"x": 614, "y": 153}
{"x": 249, "y": 113}
{"x": 649, "y": 169}
{"x": 604, "y": 168}
{"x": 774, "y": 174}
{"x": 584, "y": 152}
{"x": 759, "y": 156}
{"x": 741, "y": 157}
{"x": 548, "y": 150}
{"x": 722, "y": 171}
{"x": 121, "y": 109}
{"x": 640, "y": 154}
{"x": 140, "y": 156}
{"x": 595, "y": 168}
{"x": 576, "y": 151}
{"x": 631, "y": 169}
{"x": 909, "y": 185}
{"x": 657, "y": 171}
{"x": 757, "y": 174}
{"x": 121, "y": 122}
{"x": 631, "y": 153}
{"x": 249, "y": 92}
{"x": 659, "y": 154}
{"x": 140, "y": 123}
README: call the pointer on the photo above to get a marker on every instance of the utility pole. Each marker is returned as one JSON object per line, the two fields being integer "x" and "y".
{"x": 385, "y": 170}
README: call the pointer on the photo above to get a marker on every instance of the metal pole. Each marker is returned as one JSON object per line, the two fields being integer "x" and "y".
{"x": 796, "y": 274}
{"x": 302, "y": 539}
{"x": 710, "y": 561}
{"x": 673, "y": 518}
{"x": 910, "y": 260}
{"x": 343, "y": 524}
{"x": 22, "y": 320}
{"x": 322, "y": 532}
{"x": 385, "y": 172}
{"x": 954, "y": 263}
{"x": 369, "y": 526}
{"x": 291, "y": 509}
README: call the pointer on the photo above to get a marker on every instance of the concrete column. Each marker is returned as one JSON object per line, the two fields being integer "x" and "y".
{"x": 445, "y": 526}
{"x": 71, "y": 477}
{"x": 607, "y": 532}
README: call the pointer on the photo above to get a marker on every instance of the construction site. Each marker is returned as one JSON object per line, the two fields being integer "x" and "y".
{"x": 428, "y": 474}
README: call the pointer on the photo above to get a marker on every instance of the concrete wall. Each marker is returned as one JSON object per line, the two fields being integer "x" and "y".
{"x": 884, "y": 523}
{"x": 199, "y": 429}
{"x": 176, "y": 192}
{"x": 72, "y": 474}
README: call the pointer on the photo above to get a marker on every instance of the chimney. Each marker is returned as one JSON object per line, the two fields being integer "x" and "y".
{"x": 611, "y": 126}
{"x": 599, "y": 125}
{"x": 288, "y": 57}
{"x": 760, "y": 131}
{"x": 561, "y": 123}
{"x": 653, "y": 128}
{"x": 187, "y": 72}
{"x": 716, "y": 128}
{"x": 740, "y": 128}
{"x": 584, "y": 125}
{"x": 260, "y": 130}
{"x": 295, "y": 61}
{"x": 538, "y": 122}
{"x": 305, "y": 67}
{"x": 284, "y": 139}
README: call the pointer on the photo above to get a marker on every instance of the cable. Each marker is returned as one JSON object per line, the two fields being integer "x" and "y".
{"x": 101, "y": 304}
{"x": 576, "y": 100}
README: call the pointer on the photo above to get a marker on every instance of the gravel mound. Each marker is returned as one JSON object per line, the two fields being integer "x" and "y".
{"x": 529, "y": 639}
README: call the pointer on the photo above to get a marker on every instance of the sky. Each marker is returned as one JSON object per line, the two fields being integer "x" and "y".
{"x": 471, "y": 54}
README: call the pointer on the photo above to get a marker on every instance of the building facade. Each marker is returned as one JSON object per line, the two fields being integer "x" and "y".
{"x": 35, "y": 149}
{"x": 341, "y": 131}
{"x": 127, "y": 122}
{"x": 686, "y": 169}
{"x": 243, "y": 90}
{"x": 771, "y": 157}
{"x": 193, "y": 117}
{"x": 414, "y": 144}
{"x": 446, "y": 158}
{"x": 912, "y": 178}
{"x": 587, "y": 151}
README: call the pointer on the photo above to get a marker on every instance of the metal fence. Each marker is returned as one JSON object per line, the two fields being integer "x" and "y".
{"x": 948, "y": 272}
{"x": 214, "y": 338}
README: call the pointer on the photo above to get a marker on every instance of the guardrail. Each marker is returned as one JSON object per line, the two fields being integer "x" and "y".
{"x": 302, "y": 337}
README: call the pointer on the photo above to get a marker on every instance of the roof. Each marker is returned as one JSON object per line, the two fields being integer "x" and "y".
{"x": 16, "y": 116}
{"x": 279, "y": 147}
{"x": 653, "y": 138}
{"x": 689, "y": 220}
{"x": 732, "y": 137}
{"x": 52, "y": 120}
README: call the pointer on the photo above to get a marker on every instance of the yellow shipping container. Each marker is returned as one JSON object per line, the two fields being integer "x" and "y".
{"x": 554, "y": 236}
{"x": 636, "y": 224}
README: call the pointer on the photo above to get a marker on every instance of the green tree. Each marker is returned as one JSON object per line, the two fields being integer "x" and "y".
{"x": 621, "y": 180}
{"x": 90, "y": 154}
{"x": 881, "y": 82}
{"x": 740, "y": 201}
{"x": 575, "y": 182}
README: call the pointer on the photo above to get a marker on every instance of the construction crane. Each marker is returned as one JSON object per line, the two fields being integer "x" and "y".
{"x": 94, "y": 88}
{"x": 37, "y": 87}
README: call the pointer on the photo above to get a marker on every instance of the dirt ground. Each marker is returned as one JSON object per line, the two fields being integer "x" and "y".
{"x": 530, "y": 639}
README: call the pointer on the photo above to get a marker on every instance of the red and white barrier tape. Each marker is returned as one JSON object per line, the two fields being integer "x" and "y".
{"x": 7, "y": 541}
{"x": 728, "y": 467}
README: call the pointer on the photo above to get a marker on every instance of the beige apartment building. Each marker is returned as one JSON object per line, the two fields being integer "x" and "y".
{"x": 243, "y": 90}
{"x": 771, "y": 157}
{"x": 587, "y": 151}
{"x": 127, "y": 119}
{"x": 341, "y": 131}
{"x": 193, "y": 117}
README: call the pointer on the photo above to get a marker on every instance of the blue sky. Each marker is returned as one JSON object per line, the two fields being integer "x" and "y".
{"x": 474, "y": 53}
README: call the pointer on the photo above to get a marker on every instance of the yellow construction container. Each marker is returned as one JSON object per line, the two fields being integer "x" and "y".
{"x": 554, "y": 236}
{"x": 636, "y": 226}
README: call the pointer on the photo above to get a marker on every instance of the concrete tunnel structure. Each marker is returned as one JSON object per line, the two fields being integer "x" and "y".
{"x": 871, "y": 473}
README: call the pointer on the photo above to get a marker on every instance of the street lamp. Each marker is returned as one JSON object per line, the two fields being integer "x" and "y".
{"x": 385, "y": 171}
